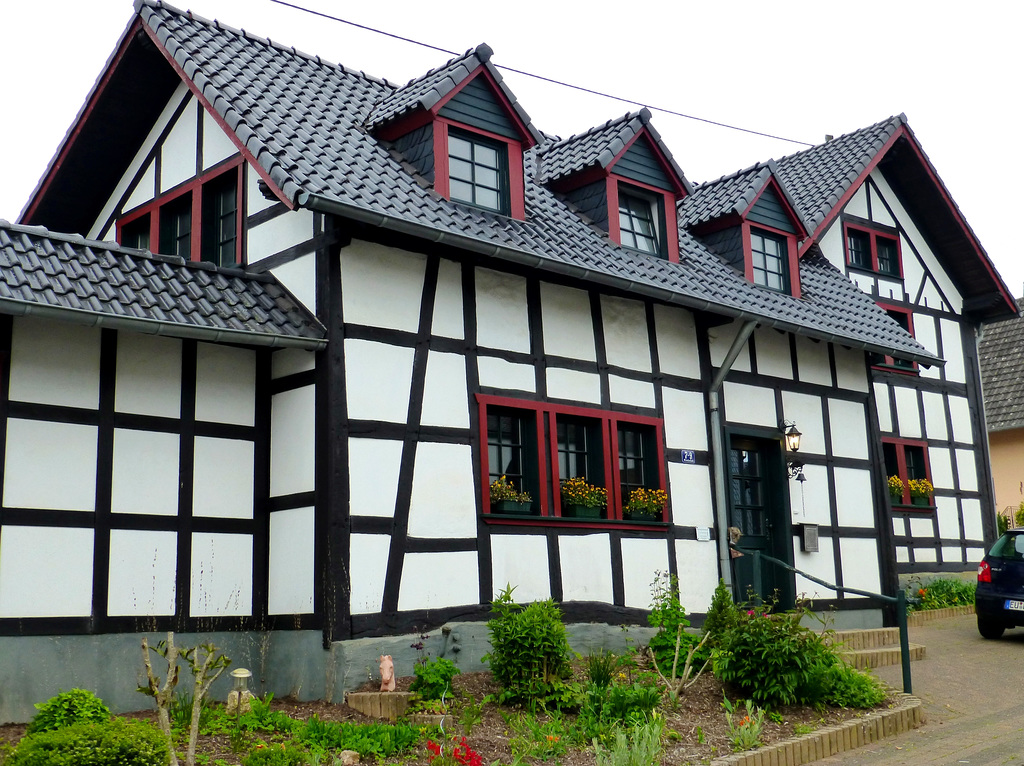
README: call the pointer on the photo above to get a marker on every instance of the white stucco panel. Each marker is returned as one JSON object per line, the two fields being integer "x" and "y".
{"x": 377, "y": 377}
{"x": 521, "y": 561}
{"x": 820, "y": 565}
{"x": 952, "y": 350}
{"x": 221, "y": 575}
{"x": 921, "y": 528}
{"x": 947, "y": 513}
{"x": 854, "y": 505}
{"x": 290, "y": 361}
{"x": 805, "y": 411}
{"x": 178, "y": 154}
{"x": 882, "y": 408}
{"x": 568, "y": 325}
{"x": 223, "y": 478}
{"x": 685, "y": 419}
{"x": 925, "y": 555}
{"x": 279, "y": 233}
{"x": 586, "y": 568}
{"x": 573, "y": 385}
{"x": 254, "y": 198}
{"x": 967, "y": 470}
{"x": 960, "y": 415}
{"x": 848, "y": 429}
{"x": 689, "y": 488}
{"x": 749, "y": 404}
{"x": 216, "y": 145}
{"x": 720, "y": 340}
{"x": 31, "y": 585}
{"x": 374, "y": 465}
{"x": 951, "y": 555}
{"x": 641, "y": 561}
{"x": 382, "y": 286}
{"x": 443, "y": 502}
{"x": 502, "y": 320}
{"x": 144, "y": 190}
{"x": 368, "y": 562}
{"x": 832, "y": 245}
{"x": 448, "y": 321}
{"x": 970, "y": 507}
{"x": 851, "y": 369}
{"x": 697, "y": 565}
{"x": 445, "y": 395}
{"x": 148, "y": 375}
{"x": 638, "y": 393}
{"x": 907, "y": 412}
{"x": 55, "y": 363}
{"x": 941, "y": 467}
{"x": 812, "y": 361}
{"x": 145, "y": 473}
{"x": 625, "y": 333}
{"x": 773, "y": 354}
{"x": 225, "y": 384}
{"x": 925, "y": 334}
{"x": 860, "y": 563}
{"x": 497, "y": 373}
{"x": 858, "y": 204}
{"x": 676, "y": 333}
{"x": 298, "y": 276}
{"x": 935, "y": 415}
{"x": 292, "y": 442}
{"x": 808, "y": 502}
{"x": 291, "y": 573}
{"x": 34, "y": 450}
{"x": 142, "y": 572}
{"x": 437, "y": 580}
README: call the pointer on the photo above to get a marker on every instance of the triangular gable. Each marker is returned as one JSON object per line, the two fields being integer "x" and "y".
{"x": 640, "y": 162}
{"x": 773, "y": 207}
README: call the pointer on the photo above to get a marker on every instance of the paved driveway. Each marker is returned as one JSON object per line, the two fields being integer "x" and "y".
{"x": 973, "y": 693}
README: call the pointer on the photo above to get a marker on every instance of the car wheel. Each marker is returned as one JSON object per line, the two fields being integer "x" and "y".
{"x": 990, "y": 628}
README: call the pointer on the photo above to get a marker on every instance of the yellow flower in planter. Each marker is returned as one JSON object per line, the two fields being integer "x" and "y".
{"x": 646, "y": 502}
{"x": 920, "y": 488}
{"x": 502, "y": 489}
{"x": 576, "y": 491}
{"x": 896, "y": 487}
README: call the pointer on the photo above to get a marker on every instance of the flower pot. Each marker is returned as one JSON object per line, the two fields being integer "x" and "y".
{"x": 641, "y": 516}
{"x": 582, "y": 511}
{"x": 512, "y": 507}
{"x": 920, "y": 501}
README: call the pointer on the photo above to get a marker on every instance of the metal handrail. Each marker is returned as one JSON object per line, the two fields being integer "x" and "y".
{"x": 900, "y": 600}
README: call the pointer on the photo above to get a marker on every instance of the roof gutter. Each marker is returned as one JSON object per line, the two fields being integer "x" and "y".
{"x": 393, "y": 223}
{"x": 154, "y": 327}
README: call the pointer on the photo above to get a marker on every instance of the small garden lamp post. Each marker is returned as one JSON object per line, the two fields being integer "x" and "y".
{"x": 239, "y": 697}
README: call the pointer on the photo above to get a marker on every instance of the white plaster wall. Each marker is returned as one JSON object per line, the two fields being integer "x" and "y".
{"x": 907, "y": 412}
{"x": 951, "y": 555}
{"x": 279, "y": 233}
{"x": 967, "y": 470}
{"x": 445, "y": 395}
{"x": 832, "y": 245}
{"x": 178, "y": 154}
{"x": 952, "y": 350}
{"x": 685, "y": 419}
{"x": 812, "y": 361}
{"x": 773, "y": 356}
{"x": 849, "y": 432}
{"x": 216, "y": 144}
{"x": 690, "y": 490}
{"x": 902, "y": 555}
{"x": 676, "y": 334}
{"x": 960, "y": 415}
{"x": 291, "y": 571}
{"x": 255, "y": 201}
{"x": 851, "y": 369}
{"x": 292, "y": 444}
{"x": 974, "y": 555}
{"x": 289, "y": 361}
{"x": 298, "y": 276}
{"x": 30, "y": 583}
{"x": 925, "y": 555}
{"x": 437, "y": 580}
{"x": 497, "y": 373}
{"x": 882, "y": 407}
{"x": 809, "y": 503}
{"x": 225, "y": 384}
{"x": 858, "y": 204}
{"x": 55, "y": 363}
{"x": 573, "y": 385}
{"x": 568, "y": 325}
{"x": 50, "y": 465}
{"x": 925, "y": 334}
{"x": 941, "y": 467}
{"x": 145, "y": 472}
{"x": 720, "y": 340}
{"x": 443, "y": 502}
{"x": 627, "y": 391}
{"x": 448, "y": 321}
{"x": 223, "y": 478}
{"x": 697, "y": 565}
{"x": 144, "y": 191}
{"x": 221, "y": 575}
{"x": 377, "y": 378}
{"x": 141, "y": 575}
{"x": 935, "y": 415}
{"x": 805, "y": 411}
{"x": 368, "y": 568}
{"x": 860, "y": 563}
{"x": 502, "y": 320}
{"x": 374, "y": 465}
{"x": 625, "y": 333}
{"x": 947, "y": 513}
{"x": 586, "y": 562}
{"x": 749, "y": 404}
{"x": 921, "y": 527}
{"x": 148, "y": 375}
{"x": 382, "y": 286}
{"x": 521, "y": 561}
{"x": 641, "y": 561}
{"x": 820, "y": 565}
{"x": 854, "y": 505}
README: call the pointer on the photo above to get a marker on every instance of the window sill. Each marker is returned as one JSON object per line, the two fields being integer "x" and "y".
{"x": 559, "y": 521}
{"x": 903, "y": 507}
{"x": 872, "y": 273}
{"x": 896, "y": 369}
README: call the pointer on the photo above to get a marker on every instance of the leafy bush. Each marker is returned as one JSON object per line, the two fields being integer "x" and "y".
{"x": 433, "y": 678}
{"x": 112, "y": 743}
{"x": 668, "y": 615}
{"x": 68, "y": 708}
{"x": 261, "y": 718}
{"x": 529, "y": 654}
{"x": 722, "y": 615}
{"x": 847, "y": 687}
{"x": 280, "y": 754}
{"x": 942, "y": 593}
{"x": 641, "y": 746}
{"x": 380, "y": 740}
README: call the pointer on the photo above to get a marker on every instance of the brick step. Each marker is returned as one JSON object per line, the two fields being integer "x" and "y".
{"x": 871, "y": 638}
{"x": 880, "y": 657}
{"x": 389, "y": 705}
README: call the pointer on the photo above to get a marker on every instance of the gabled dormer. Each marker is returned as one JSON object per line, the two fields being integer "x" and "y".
{"x": 463, "y": 130}
{"x": 623, "y": 179}
{"x": 750, "y": 221}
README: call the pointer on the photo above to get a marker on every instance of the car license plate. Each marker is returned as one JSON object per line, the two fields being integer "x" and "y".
{"x": 1014, "y": 606}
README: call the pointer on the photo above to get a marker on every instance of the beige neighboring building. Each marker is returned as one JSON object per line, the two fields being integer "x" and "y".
{"x": 1001, "y": 353}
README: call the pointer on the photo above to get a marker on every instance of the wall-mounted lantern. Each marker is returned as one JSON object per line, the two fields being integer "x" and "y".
{"x": 792, "y": 436}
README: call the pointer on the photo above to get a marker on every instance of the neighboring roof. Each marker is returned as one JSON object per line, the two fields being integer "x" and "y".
{"x": 1001, "y": 358}
{"x": 598, "y": 146}
{"x": 58, "y": 276}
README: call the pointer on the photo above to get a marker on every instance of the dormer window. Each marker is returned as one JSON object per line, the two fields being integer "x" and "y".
{"x": 769, "y": 260}
{"x": 641, "y": 221}
{"x": 478, "y": 171}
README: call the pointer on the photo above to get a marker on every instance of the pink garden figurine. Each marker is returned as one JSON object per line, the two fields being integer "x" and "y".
{"x": 387, "y": 673}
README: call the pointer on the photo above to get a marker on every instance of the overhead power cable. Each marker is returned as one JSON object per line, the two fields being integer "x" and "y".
{"x": 580, "y": 88}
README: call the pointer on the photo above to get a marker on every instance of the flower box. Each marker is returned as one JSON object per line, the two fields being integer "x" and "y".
{"x": 582, "y": 512}
{"x": 514, "y": 507}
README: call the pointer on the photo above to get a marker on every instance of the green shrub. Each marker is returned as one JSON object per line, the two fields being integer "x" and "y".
{"x": 640, "y": 746}
{"x": 847, "y": 687}
{"x": 529, "y": 654}
{"x": 68, "y": 708}
{"x": 668, "y": 615}
{"x": 433, "y": 678}
{"x": 379, "y": 740}
{"x": 276, "y": 754}
{"x": 601, "y": 667}
{"x": 722, "y": 615}
{"x": 113, "y": 743}
{"x": 261, "y": 718}
{"x": 941, "y": 593}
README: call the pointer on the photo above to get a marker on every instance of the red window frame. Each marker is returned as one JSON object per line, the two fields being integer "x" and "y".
{"x": 665, "y": 215}
{"x": 873, "y": 236}
{"x": 516, "y": 184}
{"x": 792, "y": 259}
{"x": 890, "y": 363}
{"x": 901, "y": 463}
{"x": 547, "y": 452}
{"x": 195, "y": 188}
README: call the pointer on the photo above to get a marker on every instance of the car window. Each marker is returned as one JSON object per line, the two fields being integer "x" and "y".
{"x": 1009, "y": 546}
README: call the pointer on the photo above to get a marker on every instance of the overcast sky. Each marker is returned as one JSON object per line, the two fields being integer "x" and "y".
{"x": 786, "y": 68}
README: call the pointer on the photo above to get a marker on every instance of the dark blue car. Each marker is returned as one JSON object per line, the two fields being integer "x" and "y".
{"x": 999, "y": 600}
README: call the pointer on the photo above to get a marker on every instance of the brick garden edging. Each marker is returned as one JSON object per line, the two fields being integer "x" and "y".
{"x": 849, "y": 735}
{"x": 916, "y": 619}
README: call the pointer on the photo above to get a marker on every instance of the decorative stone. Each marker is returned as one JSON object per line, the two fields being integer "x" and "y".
{"x": 347, "y": 758}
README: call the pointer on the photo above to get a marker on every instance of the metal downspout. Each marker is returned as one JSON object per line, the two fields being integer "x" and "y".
{"x": 718, "y": 450}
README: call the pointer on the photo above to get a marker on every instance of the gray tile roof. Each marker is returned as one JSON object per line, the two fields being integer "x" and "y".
{"x": 728, "y": 195}
{"x": 1001, "y": 357}
{"x": 68, "y": 277}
